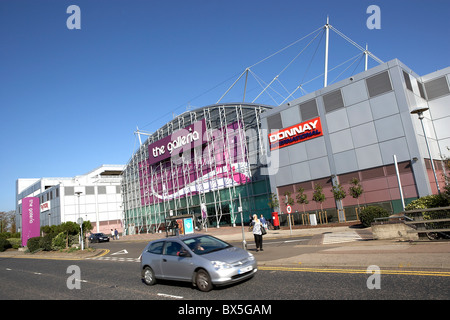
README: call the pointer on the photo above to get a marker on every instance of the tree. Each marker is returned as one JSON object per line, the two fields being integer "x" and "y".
{"x": 290, "y": 200}
{"x": 7, "y": 221}
{"x": 338, "y": 192}
{"x": 355, "y": 190}
{"x": 302, "y": 198}
{"x": 273, "y": 201}
{"x": 318, "y": 195}
{"x": 446, "y": 193}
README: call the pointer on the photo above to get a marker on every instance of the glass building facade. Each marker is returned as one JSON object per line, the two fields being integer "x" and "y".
{"x": 206, "y": 162}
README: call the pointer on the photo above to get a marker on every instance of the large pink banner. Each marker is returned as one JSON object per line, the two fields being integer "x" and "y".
{"x": 31, "y": 223}
{"x": 220, "y": 163}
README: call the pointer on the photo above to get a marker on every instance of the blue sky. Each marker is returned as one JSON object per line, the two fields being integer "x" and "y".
{"x": 70, "y": 100}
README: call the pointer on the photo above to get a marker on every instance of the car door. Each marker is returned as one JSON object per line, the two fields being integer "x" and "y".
{"x": 154, "y": 257}
{"x": 173, "y": 265}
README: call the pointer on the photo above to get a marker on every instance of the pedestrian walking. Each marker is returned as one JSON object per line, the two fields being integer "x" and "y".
{"x": 257, "y": 233}
{"x": 112, "y": 234}
{"x": 116, "y": 234}
{"x": 263, "y": 221}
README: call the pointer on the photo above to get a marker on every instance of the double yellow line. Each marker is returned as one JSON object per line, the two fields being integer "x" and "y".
{"x": 356, "y": 271}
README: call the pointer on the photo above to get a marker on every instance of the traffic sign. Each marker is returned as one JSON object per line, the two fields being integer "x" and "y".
{"x": 289, "y": 209}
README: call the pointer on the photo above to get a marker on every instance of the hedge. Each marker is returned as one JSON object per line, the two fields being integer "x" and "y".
{"x": 33, "y": 244}
{"x": 368, "y": 214}
{"x": 4, "y": 244}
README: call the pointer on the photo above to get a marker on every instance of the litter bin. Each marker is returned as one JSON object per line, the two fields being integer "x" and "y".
{"x": 275, "y": 220}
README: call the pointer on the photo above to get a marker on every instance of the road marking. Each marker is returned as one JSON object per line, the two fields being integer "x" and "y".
{"x": 124, "y": 251}
{"x": 277, "y": 242}
{"x": 121, "y": 259}
{"x": 169, "y": 296}
{"x": 289, "y": 241}
{"x": 361, "y": 271}
{"x": 340, "y": 237}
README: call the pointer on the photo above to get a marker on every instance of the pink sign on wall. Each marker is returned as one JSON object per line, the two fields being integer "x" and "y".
{"x": 31, "y": 221}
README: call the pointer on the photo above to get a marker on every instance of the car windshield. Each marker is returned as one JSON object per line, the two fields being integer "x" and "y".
{"x": 205, "y": 244}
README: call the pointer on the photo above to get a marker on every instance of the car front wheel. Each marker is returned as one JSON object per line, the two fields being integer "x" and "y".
{"x": 203, "y": 281}
{"x": 149, "y": 276}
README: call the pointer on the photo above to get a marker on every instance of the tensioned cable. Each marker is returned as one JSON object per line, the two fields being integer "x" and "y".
{"x": 258, "y": 80}
{"x": 307, "y": 69}
{"x": 288, "y": 46}
{"x": 248, "y": 68}
{"x": 355, "y": 44}
{"x": 198, "y": 96}
{"x": 320, "y": 75}
{"x": 284, "y": 69}
{"x": 356, "y": 59}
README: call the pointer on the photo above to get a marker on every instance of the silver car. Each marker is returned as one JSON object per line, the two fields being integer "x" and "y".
{"x": 201, "y": 259}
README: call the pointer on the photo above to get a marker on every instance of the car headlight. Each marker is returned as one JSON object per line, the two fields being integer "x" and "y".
{"x": 220, "y": 265}
{"x": 251, "y": 257}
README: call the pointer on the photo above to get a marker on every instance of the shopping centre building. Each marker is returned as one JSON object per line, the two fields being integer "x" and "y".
{"x": 205, "y": 162}
{"x": 213, "y": 161}
{"x": 359, "y": 128}
{"x": 94, "y": 196}
{"x": 386, "y": 128}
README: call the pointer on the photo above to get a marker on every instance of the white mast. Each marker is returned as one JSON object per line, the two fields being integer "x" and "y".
{"x": 327, "y": 38}
{"x": 366, "y": 55}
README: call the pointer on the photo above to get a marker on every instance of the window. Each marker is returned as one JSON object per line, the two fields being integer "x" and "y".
{"x": 172, "y": 248}
{"x": 333, "y": 101}
{"x": 378, "y": 84}
{"x": 156, "y": 247}
{"x": 436, "y": 88}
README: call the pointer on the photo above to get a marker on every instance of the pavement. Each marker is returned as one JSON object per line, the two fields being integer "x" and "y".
{"x": 332, "y": 247}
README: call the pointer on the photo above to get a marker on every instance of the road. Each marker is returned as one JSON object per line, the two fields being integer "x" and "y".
{"x": 116, "y": 276}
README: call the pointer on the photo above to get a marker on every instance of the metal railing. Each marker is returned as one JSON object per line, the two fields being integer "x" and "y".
{"x": 433, "y": 222}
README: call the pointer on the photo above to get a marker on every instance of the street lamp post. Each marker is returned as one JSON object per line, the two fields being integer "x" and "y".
{"x": 419, "y": 111}
{"x": 80, "y": 221}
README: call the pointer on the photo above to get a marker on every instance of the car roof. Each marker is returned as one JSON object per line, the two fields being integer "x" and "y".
{"x": 183, "y": 237}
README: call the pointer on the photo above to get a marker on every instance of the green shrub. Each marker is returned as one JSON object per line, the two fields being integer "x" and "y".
{"x": 368, "y": 214}
{"x": 46, "y": 242}
{"x": 16, "y": 243}
{"x": 4, "y": 244}
{"x": 59, "y": 242}
{"x": 431, "y": 201}
{"x": 33, "y": 244}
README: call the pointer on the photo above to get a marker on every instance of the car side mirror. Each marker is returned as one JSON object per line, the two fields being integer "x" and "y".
{"x": 184, "y": 253}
